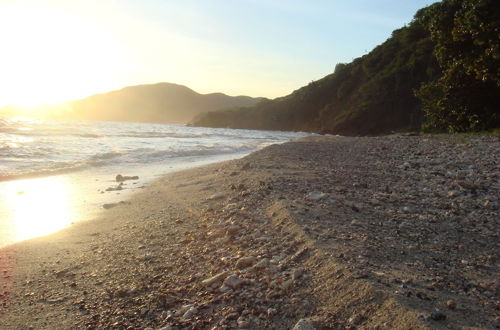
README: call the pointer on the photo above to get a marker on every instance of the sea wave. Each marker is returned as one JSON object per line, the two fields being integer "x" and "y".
{"x": 41, "y": 172}
{"x": 89, "y": 135}
{"x": 198, "y": 151}
{"x": 37, "y": 148}
{"x": 107, "y": 155}
{"x": 132, "y": 158}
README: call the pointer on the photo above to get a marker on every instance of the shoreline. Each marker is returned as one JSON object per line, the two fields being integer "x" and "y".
{"x": 324, "y": 231}
{"x": 78, "y": 196}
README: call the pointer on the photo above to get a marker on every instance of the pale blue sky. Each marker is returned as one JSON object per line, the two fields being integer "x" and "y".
{"x": 254, "y": 47}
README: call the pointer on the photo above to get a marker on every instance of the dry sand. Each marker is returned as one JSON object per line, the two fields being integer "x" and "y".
{"x": 327, "y": 232}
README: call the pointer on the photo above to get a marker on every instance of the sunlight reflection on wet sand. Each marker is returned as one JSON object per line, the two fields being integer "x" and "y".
{"x": 36, "y": 207}
{"x": 40, "y": 206}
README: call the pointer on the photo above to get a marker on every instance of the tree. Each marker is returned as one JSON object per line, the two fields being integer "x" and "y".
{"x": 467, "y": 95}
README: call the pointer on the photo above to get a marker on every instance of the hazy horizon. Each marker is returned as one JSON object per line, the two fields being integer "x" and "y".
{"x": 65, "y": 50}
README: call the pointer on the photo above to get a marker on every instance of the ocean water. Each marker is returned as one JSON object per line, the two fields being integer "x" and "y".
{"x": 30, "y": 147}
{"x": 56, "y": 173}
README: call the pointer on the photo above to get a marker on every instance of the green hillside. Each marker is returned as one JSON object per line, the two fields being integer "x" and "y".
{"x": 374, "y": 94}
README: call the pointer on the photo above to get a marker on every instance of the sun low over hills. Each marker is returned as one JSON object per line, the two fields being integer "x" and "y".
{"x": 156, "y": 103}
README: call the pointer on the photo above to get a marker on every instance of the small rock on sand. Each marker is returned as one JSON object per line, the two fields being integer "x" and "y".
{"x": 233, "y": 282}
{"x": 214, "y": 279}
{"x": 304, "y": 324}
{"x": 121, "y": 178}
{"x": 245, "y": 262}
{"x": 438, "y": 316}
{"x": 451, "y": 304}
{"x": 109, "y": 205}
{"x": 192, "y": 311}
{"x": 215, "y": 197}
{"x": 316, "y": 196}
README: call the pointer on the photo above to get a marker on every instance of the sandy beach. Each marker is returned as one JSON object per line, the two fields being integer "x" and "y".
{"x": 324, "y": 232}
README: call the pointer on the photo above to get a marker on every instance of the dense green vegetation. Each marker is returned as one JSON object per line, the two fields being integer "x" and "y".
{"x": 466, "y": 96}
{"x": 377, "y": 93}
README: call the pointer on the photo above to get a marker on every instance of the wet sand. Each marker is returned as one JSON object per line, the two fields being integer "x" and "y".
{"x": 36, "y": 206}
{"x": 326, "y": 232}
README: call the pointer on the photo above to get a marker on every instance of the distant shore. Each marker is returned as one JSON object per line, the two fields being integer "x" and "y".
{"x": 382, "y": 232}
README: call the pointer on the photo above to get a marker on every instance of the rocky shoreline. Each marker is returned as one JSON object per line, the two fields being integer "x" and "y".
{"x": 324, "y": 232}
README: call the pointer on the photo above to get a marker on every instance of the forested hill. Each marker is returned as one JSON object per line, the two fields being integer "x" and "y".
{"x": 374, "y": 94}
{"x": 371, "y": 95}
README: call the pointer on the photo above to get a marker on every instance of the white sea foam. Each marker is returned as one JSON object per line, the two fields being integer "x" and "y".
{"x": 31, "y": 147}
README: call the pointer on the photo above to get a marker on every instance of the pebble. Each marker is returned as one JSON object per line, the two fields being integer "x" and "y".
{"x": 233, "y": 230}
{"x": 451, "y": 304}
{"x": 121, "y": 178}
{"x": 304, "y": 324}
{"x": 297, "y": 273}
{"x": 287, "y": 284}
{"x": 316, "y": 196}
{"x": 243, "y": 323}
{"x": 215, "y": 279}
{"x": 245, "y": 262}
{"x": 261, "y": 264}
{"x": 438, "y": 316}
{"x": 233, "y": 282}
{"x": 355, "y": 223}
{"x": 214, "y": 197}
{"x": 271, "y": 312}
{"x": 192, "y": 311}
{"x": 355, "y": 320}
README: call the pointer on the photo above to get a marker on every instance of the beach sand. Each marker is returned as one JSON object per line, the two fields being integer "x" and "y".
{"x": 37, "y": 206}
{"x": 324, "y": 232}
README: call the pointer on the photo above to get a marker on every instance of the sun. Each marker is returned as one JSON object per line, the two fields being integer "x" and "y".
{"x": 52, "y": 54}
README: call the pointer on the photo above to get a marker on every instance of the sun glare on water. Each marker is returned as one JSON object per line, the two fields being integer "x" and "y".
{"x": 36, "y": 207}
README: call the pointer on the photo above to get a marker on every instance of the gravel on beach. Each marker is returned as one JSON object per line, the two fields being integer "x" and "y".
{"x": 320, "y": 233}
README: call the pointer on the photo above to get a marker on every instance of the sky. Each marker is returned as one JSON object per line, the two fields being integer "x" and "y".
{"x": 57, "y": 50}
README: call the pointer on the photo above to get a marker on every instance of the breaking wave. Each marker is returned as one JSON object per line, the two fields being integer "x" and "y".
{"x": 46, "y": 147}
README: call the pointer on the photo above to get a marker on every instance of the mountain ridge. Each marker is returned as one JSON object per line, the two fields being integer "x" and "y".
{"x": 162, "y": 102}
